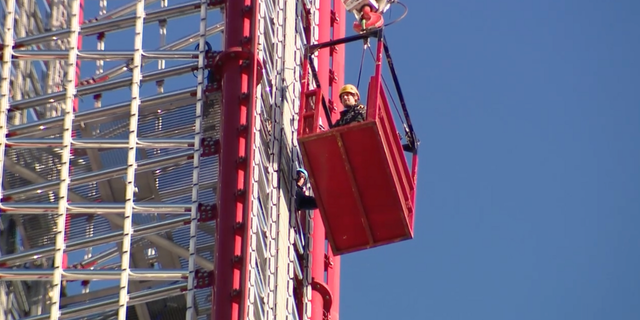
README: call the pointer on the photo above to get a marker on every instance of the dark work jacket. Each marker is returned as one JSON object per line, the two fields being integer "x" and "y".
{"x": 351, "y": 115}
{"x": 303, "y": 201}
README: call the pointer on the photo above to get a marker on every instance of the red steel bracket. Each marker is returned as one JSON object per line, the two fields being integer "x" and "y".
{"x": 327, "y": 297}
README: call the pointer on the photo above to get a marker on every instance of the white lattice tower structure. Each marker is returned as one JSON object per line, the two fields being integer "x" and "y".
{"x": 110, "y": 165}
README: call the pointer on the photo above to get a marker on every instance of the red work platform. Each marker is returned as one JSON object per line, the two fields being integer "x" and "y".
{"x": 359, "y": 176}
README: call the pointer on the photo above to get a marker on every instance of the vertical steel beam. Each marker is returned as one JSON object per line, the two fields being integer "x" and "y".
{"x": 76, "y": 103}
{"x": 331, "y": 26}
{"x": 65, "y": 163}
{"x": 337, "y": 53}
{"x": 318, "y": 232}
{"x": 9, "y": 21}
{"x": 5, "y": 79}
{"x": 193, "y": 227}
{"x": 127, "y": 225}
{"x": 238, "y": 100}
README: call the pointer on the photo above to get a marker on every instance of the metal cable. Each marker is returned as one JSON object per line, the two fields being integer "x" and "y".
{"x": 364, "y": 49}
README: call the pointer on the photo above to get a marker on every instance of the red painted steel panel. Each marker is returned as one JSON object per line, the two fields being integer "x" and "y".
{"x": 234, "y": 182}
{"x": 393, "y": 147}
{"x": 318, "y": 232}
{"x": 361, "y": 201}
{"x": 338, "y": 20}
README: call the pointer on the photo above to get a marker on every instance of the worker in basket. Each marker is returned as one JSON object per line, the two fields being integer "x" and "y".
{"x": 354, "y": 111}
{"x": 368, "y": 13}
{"x": 303, "y": 201}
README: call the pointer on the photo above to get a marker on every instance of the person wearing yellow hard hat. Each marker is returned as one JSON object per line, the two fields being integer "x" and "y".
{"x": 354, "y": 111}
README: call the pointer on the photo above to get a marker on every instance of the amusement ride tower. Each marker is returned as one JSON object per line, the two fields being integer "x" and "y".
{"x": 149, "y": 160}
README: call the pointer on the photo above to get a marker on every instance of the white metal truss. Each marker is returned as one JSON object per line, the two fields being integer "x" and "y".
{"x": 197, "y": 149}
{"x": 9, "y": 20}
{"x": 125, "y": 258}
{"x": 132, "y": 174}
{"x": 262, "y": 248}
{"x": 307, "y": 241}
{"x": 65, "y": 162}
{"x": 291, "y": 240}
{"x": 117, "y": 187}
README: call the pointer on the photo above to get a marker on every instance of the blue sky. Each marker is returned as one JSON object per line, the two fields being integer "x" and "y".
{"x": 529, "y": 115}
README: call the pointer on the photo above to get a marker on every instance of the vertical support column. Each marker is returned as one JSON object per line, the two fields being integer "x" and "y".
{"x": 324, "y": 61}
{"x": 65, "y": 163}
{"x": 5, "y": 77}
{"x": 195, "y": 186}
{"x": 318, "y": 233}
{"x": 331, "y": 73}
{"x": 311, "y": 31}
{"x": 239, "y": 66}
{"x": 337, "y": 53}
{"x": 283, "y": 123}
{"x": 127, "y": 224}
{"x": 75, "y": 109}
{"x": 318, "y": 240}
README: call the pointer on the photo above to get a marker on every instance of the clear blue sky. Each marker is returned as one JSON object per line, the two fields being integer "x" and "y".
{"x": 529, "y": 114}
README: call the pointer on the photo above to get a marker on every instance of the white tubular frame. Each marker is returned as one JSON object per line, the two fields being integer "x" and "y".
{"x": 9, "y": 20}
{"x": 195, "y": 191}
{"x": 54, "y": 314}
{"x": 131, "y": 163}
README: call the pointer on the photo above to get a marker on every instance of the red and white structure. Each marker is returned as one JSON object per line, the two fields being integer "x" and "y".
{"x": 150, "y": 150}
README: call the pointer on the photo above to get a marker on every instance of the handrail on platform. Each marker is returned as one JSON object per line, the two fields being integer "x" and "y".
{"x": 377, "y": 103}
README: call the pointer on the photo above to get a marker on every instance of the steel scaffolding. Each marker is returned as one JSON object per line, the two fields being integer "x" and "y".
{"x": 108, "y": 189}
{"x": 111, "y": 201}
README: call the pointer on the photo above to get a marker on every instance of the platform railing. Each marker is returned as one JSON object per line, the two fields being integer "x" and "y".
{"x": 390, "y": 138}
{"x": 313, "y": 104}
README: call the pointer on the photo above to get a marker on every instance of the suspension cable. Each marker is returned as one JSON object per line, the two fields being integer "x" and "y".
{"x": 410, "y": 131}
{"x": 393, "y": 101}
{"x": 364, "y": 49}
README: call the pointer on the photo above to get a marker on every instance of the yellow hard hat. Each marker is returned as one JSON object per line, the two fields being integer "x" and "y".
{"x": 350, "y": 89}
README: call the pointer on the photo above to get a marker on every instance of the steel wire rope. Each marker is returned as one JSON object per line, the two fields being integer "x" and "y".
{"x": 364, "y": 50}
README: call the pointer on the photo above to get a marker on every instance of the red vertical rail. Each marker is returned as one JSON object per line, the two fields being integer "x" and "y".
{"x": 318, "y": 234}
{"x": 325, "y": 268}
{"x": 373, "y": 108}
{"x": 338, "y": 17}
{"x": 238, "y": 67}
{"x": 337, "y": 53}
